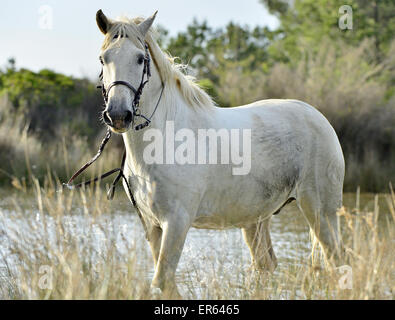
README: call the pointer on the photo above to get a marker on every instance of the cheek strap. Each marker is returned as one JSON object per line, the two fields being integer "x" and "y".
{"x": 137, "y": 92}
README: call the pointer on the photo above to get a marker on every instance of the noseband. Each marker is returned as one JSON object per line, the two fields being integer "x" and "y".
{"x": 137, "y": 92}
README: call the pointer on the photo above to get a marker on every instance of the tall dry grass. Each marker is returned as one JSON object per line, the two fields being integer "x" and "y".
{"x": 60, "y": 234}
{"x": 24, "y": 156}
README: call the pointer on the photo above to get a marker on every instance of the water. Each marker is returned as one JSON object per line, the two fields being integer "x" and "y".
{"x": 206, "y": 252}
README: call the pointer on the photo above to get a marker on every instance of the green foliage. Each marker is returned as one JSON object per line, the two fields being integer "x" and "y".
{"x": 209, "y": 87}
{"x": 25, "y": 87}
{"x": 48, "y": 99}
{"x": 277, "y": 7}
{"x": 304, "y": 23}
{"x": 212, "y": 53}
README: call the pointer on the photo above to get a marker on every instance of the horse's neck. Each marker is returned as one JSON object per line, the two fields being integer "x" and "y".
{"x": 172, "y": 107}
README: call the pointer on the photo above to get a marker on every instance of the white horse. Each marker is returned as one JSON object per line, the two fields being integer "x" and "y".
{"x": 295, "y": 155}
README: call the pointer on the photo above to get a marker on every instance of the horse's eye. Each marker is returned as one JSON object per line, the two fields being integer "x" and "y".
{"x": 101, "y": 60}
{"x": 116, "y": 36}
{"x": 140, "y": 59}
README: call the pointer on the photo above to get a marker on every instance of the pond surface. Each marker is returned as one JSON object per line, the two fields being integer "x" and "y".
{"x": 205, "y": 251}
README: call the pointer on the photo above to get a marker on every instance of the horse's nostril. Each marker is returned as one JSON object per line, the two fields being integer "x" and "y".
{"x": 107, "y": 118}
{"x": 128, "y": 117}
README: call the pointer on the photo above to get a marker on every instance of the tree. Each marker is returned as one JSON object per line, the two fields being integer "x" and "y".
{"x": 47, "y": 99}
{"x": 210, "y": 53}
{"x": 304, "y": 23}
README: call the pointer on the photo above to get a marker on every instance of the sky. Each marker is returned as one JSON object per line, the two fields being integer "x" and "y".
{"x": 62, "y": 34}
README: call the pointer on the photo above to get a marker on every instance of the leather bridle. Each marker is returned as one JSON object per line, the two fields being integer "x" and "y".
{"x": 137, "y": 92}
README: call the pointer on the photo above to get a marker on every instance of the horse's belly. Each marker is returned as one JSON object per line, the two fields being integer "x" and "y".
{"x": 235, "y": 210}
{"x": 218, "y": 221}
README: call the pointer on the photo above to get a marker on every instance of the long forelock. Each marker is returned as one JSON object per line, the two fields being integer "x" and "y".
{"x": 170, "y": 72}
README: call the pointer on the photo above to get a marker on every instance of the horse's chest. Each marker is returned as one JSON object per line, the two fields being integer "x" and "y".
{"x": 159, "y": 196}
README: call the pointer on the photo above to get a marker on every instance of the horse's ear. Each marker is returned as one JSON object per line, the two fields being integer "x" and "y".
{"x": 146, "y": 24}
{"x": 103, "y": 23}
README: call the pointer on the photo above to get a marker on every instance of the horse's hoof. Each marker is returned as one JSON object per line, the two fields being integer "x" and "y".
{"x": 155, "y": 293}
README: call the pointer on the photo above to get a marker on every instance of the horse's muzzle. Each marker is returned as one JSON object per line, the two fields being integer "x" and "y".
{"x": 118, "y": 121}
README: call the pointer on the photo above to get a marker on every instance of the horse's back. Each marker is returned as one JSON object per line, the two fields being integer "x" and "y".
{"x": 291, "y": 121}
{"x": 300, "y": 132}
{"x": 292, "y": 143}
{"x": 291, "y": 117}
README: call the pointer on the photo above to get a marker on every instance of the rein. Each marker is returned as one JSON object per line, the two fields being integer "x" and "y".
{"x": 136, "y": 113}
{"x": 110, "y": 192}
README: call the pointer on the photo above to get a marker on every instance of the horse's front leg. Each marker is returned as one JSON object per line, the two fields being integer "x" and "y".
{"x": 174, "y": 232}
{"x": 154, "y": 235}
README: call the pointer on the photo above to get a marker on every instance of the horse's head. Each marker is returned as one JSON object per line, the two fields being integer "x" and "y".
{"x": 126, "y": 68}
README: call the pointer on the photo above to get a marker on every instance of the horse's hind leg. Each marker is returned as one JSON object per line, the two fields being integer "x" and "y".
{"x": 320, "y": 211}
{"x": 257, "y": 237}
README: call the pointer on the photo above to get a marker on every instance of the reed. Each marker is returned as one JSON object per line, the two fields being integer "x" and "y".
{"x": 69, "y": 245}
